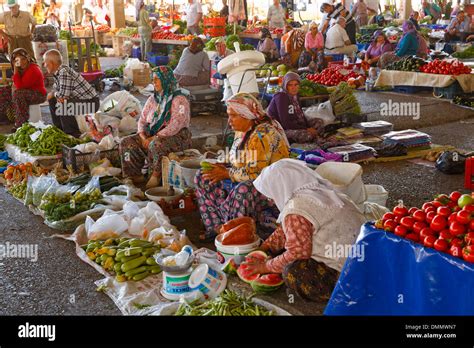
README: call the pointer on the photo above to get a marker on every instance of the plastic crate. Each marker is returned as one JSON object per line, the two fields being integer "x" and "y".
{"x": 448, "y": 92}
{"x": 137, "y": 52}
{"x": 341, "y": 63}
{"x": 335, "y": 57}
{"x": 214, "y": 31}
{"x": 362, "y": 46}
{"x": 410, "y": 89}
{"x": 214, "y": 22}
{"x": 79, "y": 161}
{"x": 157, "y": 60}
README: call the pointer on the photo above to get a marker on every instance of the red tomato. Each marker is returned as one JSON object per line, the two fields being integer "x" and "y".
{"x": 426, "y": 232}
{"x": 438, "y": 223}
{"x": 400, "y": 210}
{"x": 469, "y": 238}
{"x": 419, "y": 215}
{"x": 429, "y": 241}
{"x": 444, "y": 199}
{"x": 429, "y": 209}
{"x": 412, "y": 210}
{"x": 456, "y": 229}
{"x": 437, "y": 204}
{"x": 454, "y": 196}
{"x": 430, "y": 216}
{"x": 443, "y": 211}
{"x": 441, "y": 245}
{"x": 471, "y": 225}
{"x": 457, "y": 242}
{"x": 390, "y": 225}
{"x": 464, "y": 217}
{"x": 407, "y": 221}
{"x": 426, "y": 205}
{"x": 400, "y": 231}
{"x": 418, "y": 226}
{"x": 452, "y": 218}
{"x": 468, "y": 253}
{"x": 413, "y": 237}
{"x": 455, "y": 251}
{"x": 469, "y": 208}
{"x": 446, "y": 236}
{"x": 388, "y": 216}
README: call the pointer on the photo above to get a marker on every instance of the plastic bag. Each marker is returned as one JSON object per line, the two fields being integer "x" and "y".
{"x": 92, "y": 185}
{"x": 107, "y": 143}
{"x": 108, "y": 226}
{"x": 130, "y": 210}
{"x": 128, "y": 125}
{"x": 450, "y": 162}
{"x": 57, "y": 193}
{"x": 130, "y": 65}
{"x": 43, "y": 183}
{"x": 322, "y": 111}
{"x": 137, "y": 225}
{"x": 178, "y": 243}
{"x": 121, "y": 104}
{"x": 73, "y": 222}
{"x": 29, "y": 189}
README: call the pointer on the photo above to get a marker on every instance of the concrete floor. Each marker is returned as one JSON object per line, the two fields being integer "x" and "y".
{"x": 59, "y": 283}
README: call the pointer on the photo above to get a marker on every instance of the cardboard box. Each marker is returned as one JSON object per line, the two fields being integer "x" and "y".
{"x": 141, "y": 77}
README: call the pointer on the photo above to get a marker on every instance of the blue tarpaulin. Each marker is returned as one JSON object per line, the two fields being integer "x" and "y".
{"x": 4, "y": 156}
{"x": 398, "y": 277}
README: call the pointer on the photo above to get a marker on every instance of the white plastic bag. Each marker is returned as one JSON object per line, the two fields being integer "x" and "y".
{"x": 130, "y": 210}
{"x": 122, "y": 103}
{"x": 108, "y": 226}
{"x": 322, "y": 111}
{"x": 137, "y": 225}
{"x": 128, "y": 125}
{"x": 107, "y": 143}
{"x": 130, "y": 65}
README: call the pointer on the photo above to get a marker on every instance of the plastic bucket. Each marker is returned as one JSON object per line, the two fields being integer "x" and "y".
{"x": 249, "y": 82}
{"x": 208, "y": 281}
{"x": 34, "y": 113}
{"x": 176, "y": 284}
{"x": 376, "y": 194}
{"x": 189, "y": 169}
{"x": 229, "y": 251}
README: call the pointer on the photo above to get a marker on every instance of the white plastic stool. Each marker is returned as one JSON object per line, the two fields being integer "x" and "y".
{"x": 35, "y": 113}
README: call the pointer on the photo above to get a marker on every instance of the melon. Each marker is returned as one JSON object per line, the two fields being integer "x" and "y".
{"x": 258, "y": 255}
{"x": 244, "y": 274}
{"x": 267, "y": 283}
{"x": 282, "y": 67}
{"x": 230, "y": 267}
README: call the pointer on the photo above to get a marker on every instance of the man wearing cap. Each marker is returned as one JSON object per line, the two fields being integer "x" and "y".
{"x": 17, "y": 30}
{"x": 337, "y": 40}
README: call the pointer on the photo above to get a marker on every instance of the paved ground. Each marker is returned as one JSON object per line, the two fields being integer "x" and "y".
{"x": 59, "y": 283}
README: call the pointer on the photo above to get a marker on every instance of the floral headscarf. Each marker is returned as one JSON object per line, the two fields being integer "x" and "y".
{"x": 376, "y": 35}
{"x": 164, "y": 99}
{"x": 265, "y": 33}
{"x": 247, "y": 106}
{"x": 20, "y": 52}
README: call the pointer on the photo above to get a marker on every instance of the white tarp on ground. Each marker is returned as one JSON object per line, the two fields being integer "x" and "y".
{"x": 408, "y": 78}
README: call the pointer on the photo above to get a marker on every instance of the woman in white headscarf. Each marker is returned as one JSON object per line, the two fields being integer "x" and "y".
{"x": 317, "y": 221}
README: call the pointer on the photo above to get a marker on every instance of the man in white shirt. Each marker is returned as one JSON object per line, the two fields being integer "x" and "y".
{"x": 337, "y": 40}
{"x": 373, "y": 4}
{"x": 276, "y": 15}
{"x": 193, "y": 13}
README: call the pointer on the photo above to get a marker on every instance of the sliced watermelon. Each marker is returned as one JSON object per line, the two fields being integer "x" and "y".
{"x": 230, "y": 267}
{"x": 244, "y": 274}
{"x": 267, "y": 283}
{"x": 257, "y": 255}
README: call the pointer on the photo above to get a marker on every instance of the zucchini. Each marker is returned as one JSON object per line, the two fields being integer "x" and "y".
{"x": 134, "y": 271}
{"x": 129, "y": 265}
{"x": 140, "y": 276}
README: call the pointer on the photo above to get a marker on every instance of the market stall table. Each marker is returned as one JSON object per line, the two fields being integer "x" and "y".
{"x": 388, "y": 275}
{"x": 409, "y": 78}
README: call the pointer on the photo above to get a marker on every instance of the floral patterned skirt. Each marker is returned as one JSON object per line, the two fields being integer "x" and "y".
{"x": 311, "y": 280}
{"x": 221, "y": 202}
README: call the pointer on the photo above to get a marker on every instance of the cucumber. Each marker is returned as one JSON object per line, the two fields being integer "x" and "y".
{"x": 149, "y": 251}
{"x": 128, "y": 258}
{"x": 117, "y": 267}
{"x": 124, "y": 244}
{"x": 151, "y": 261}
{"x": 134, "y": 271}
{"x": 140, "y": 276}
{"x": 129, "y": 265}
{"x": 140, "y": 243}
{"x": 154, "y": 269}
{"x": 129, "y": 252}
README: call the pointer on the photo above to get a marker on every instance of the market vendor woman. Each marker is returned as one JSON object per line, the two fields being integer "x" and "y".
{"x": 408, "y": 45}
{"x": 315, "y": 217}
{"x": 162, "y": 129}
{"x": 258, "y": 142}
{"x": 286, "y": 109}
{"x": 194, "y": 67}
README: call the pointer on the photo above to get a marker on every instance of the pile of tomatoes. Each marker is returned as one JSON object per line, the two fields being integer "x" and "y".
{"x": 332, "y": 76}
{"x": 443, "y": 67}
{"x": 445, "y": 224}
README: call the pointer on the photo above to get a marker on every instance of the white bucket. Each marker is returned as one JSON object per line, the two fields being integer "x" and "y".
{"x": 229, "y": 251}
{"x": 35, "y": 113}
{"x": 176, "y": 284}
{"x": 376, "y": 194}
{"x": 189, "y": 169}
{"x": 207, "y": 280}
{"x": 249, "y": 83}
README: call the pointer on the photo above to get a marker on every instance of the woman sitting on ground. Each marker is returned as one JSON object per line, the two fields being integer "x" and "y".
{"x": 286, "y": 109}
{"x": 28, "y": 82}
{"x": 267, "y": 46}
{"x": 378, "y": 46}
{"x": 313, "y": 215}
{"x": 194, "y": 66}
{"x": 162, "y": 129}
{"x": 226, "y": 192}
{"x": 407, "y": 46}
{"x": 314, "y": 49}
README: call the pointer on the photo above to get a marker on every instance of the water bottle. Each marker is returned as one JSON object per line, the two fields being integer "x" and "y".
{"x": 183, "y": 256}
{"x": 346, "y": 61}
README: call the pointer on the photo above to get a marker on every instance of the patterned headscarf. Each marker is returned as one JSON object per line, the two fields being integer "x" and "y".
{"x": 164, "y": 99}
{"x": 247, "y": 106}
{"x": 376, "y": 35}
{"x": 290, "y": 76}
{"x": 265, "y": 33}
{"x": 408, "y": 29}
{"x": 20, "y": 52}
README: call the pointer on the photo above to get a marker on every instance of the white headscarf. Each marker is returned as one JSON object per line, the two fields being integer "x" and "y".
{"x": 289, "y": 178}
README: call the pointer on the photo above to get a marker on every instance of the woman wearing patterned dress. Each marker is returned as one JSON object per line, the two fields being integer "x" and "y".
{"x": 162, "y": 129}
{"x": 316, "y": 220}
{"x": 227, "y": 192}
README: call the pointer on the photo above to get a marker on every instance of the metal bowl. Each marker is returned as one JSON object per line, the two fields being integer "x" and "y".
{"x": 172, "y": 269}
{"x": 158, "y": 193}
